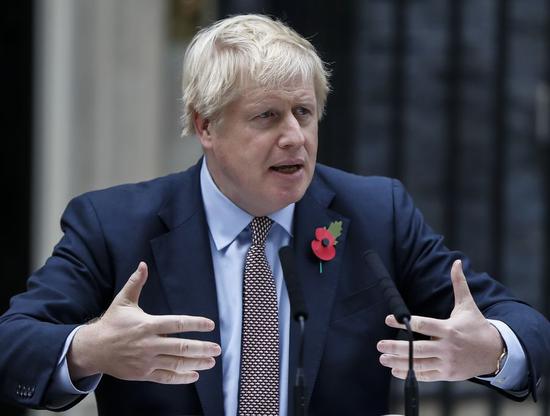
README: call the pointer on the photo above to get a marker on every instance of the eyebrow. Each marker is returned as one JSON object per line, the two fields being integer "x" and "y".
{"x": 302, "y": 98}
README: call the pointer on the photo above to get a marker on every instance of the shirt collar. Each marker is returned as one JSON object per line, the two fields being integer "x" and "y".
{"x": 225, "y": 219}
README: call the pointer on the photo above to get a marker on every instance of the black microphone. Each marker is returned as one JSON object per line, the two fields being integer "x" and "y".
{"x": 403, "y": 316}
{"x": 298, "y": 311}
{"x": 391, "y": 294}
{"x": 296, "y": 297}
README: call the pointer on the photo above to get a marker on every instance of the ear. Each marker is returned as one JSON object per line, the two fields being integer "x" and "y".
{"x": 202, "y": 127}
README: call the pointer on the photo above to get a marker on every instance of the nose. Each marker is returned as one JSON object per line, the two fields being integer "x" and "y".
{"x": 291, "y": 132}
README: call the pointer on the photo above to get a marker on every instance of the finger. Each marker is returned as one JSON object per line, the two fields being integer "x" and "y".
{"x": 421, "y": 349}
{"x": 422, "y": 325}
{"x": 132, "y": 289}
{"x": 460, "y": 285}
{"x": 171, "y": 377}
{"x": 174, "y": 324}
{"x": 420, "y": 376}
{"x": 188, "y": 348}
{"x": 181, "y": 365}
{"x": 402, "y": 363}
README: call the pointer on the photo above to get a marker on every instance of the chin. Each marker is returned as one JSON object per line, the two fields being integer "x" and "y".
{"x": 292, "y": 197}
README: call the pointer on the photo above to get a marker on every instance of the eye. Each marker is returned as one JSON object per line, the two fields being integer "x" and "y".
{"x": 266, "y": 114}
{"x": 302, "y": 111}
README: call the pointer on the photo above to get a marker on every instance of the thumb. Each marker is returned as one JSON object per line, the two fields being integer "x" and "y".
{"x": 460, "y": 285}
{"x": 132, "y": 289}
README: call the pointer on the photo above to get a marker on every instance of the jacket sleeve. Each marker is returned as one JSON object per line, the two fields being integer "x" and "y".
{"x": 73, "y": 287}
{"x": 423, "y": 265}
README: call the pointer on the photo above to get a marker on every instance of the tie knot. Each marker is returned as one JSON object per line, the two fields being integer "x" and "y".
{"x": 260, "y": 227}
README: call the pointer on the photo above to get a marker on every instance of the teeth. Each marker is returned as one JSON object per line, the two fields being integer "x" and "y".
{"x": 286, "y": 169}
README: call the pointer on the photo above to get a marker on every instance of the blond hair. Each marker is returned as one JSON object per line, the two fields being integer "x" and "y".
{"x": 242, "y": 51}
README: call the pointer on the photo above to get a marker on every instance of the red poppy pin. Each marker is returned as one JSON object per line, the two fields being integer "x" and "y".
{"x": 324, "y": 242}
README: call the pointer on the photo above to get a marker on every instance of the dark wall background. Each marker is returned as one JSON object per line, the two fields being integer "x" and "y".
{"x": 15, "y": 156}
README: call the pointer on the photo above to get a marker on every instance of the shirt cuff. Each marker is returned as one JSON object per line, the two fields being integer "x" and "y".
{"x": 62, "y": 389}
{"x": 513, "y": 375}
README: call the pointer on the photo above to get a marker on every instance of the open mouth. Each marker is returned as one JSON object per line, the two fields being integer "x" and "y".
{"x": 288, "y": 169}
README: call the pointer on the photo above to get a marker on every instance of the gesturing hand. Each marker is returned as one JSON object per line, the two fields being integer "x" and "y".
{"x": 129, "y": 344}
{"x": 465, "y": 345}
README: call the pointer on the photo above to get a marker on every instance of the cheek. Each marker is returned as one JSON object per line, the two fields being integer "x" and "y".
{"x": 312, "y": 136}
{"x": 232, "y": 165}
{"x": 311, "y": 147}
{"x": 234, "y": 154}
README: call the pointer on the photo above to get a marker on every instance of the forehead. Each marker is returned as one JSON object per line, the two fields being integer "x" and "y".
{"x": 289, "y": 93}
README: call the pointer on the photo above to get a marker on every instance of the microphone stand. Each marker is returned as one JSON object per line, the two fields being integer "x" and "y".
{"x": 403, "y": 316}
{"x": 298, "y": 310}
{"x": 299, "y": 383}
{"x": 411, "y": 384}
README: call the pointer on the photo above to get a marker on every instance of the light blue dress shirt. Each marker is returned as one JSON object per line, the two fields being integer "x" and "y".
{"x": 229, "y": 242}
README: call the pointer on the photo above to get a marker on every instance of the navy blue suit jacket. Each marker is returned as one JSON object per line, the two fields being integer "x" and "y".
{"x": 162, "y": 222}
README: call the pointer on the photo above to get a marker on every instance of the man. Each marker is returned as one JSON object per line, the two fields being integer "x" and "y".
{"x": 202, "y": 326}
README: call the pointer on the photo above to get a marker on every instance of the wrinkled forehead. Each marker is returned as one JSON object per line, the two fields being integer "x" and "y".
{"x": 298, "y": 91}
{"x": 285, "y": 83}
{"x": 294, "y": 88}
{"x": 253, "y": 96}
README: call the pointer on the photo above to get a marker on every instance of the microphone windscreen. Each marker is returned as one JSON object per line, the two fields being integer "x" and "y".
{"x": 295, "y": 295}
{"x": 391, "y": 294}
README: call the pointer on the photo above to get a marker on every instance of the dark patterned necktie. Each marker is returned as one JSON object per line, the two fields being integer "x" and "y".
{"x": 259, "y": 382}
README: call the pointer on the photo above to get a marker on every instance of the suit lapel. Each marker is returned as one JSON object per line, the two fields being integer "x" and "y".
{"x": 184, "y": 264}
{"x": 318, "y": 288}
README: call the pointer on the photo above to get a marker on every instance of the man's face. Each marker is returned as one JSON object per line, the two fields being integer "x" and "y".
{"x": 262, "y": 152}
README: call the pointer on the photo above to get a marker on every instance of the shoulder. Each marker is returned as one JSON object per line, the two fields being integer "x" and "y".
{"x": 151, "y": 191}
{"x": 345, "y": 184}
{"x": 141, "y": 198}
